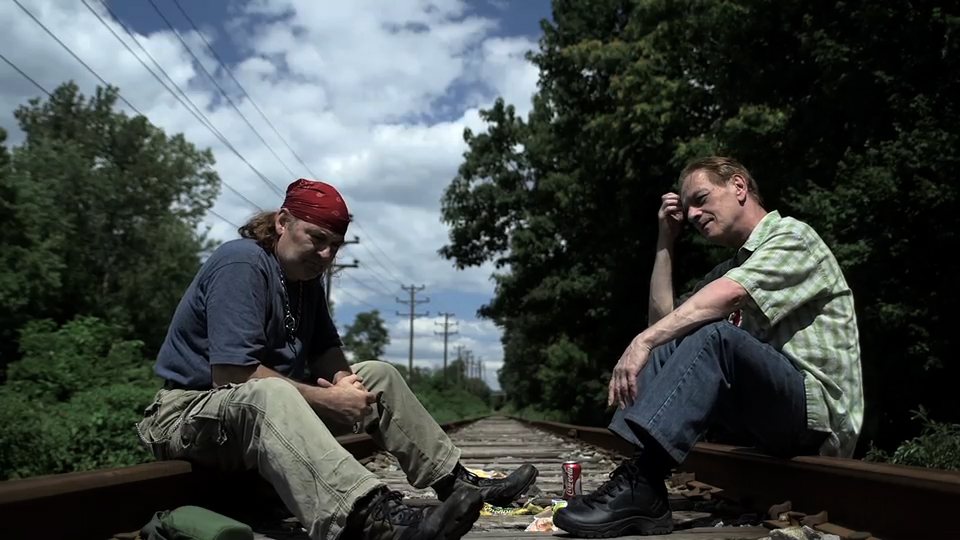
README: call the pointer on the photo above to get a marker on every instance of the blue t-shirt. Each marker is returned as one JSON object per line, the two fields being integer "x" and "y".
{"x": 233, "y": 313}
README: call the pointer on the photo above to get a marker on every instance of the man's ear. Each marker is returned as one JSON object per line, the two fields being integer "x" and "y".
{"x": 283, "y": 220}
{"x": 740, "y": 187}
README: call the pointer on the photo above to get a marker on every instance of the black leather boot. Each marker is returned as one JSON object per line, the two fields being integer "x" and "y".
{"x": 633, "y": 501}
{"x": 381, "y": 515}
{"x": 496, "y": 491}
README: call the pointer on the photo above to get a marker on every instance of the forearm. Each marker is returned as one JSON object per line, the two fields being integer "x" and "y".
{"x": 661, "y": 284}
{"x": 330, "y": 364}
{"x": 715, "y": 301}
{"x": 223, "y": 374}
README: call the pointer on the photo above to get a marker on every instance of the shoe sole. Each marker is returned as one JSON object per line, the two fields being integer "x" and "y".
{"x": 507, "y": 500}
{"x": 637, "y": 525}
{"x": 455, "y": 529}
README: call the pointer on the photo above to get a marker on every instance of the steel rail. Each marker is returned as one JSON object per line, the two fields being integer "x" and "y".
{"x": 892, "y": 502}
{"x": 99, "y": 504}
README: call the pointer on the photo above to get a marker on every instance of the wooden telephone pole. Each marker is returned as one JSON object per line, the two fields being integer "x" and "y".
{"x": 333, "y": 268}
{"x": 446, "y": 336}
{"x": 470, "y": 363}
{"x": 460, "y": 368}
{"x": 413, "y": 314}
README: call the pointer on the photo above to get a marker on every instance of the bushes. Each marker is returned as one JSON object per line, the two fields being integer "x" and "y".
{"x": 937, "y": 446}
{"x": 452, "y": 398}
{"x": 71, "y": 403}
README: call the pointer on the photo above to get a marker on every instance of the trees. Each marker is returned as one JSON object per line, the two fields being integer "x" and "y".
{"x": 101, "y": 213}
{"x": 846, "y": 113}
{"x": 367, "y": 337}
{"x": 99, "y": 218}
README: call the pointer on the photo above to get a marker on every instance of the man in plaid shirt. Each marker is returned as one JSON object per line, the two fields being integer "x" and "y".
{"x": 766, "y": 344}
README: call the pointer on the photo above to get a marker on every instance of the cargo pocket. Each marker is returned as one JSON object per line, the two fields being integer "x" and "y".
{"x": 152, "y": 431}
{"x": 202, "y": 430}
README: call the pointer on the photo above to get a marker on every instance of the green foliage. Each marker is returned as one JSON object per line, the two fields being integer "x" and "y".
{"x": 57, "y": 364}
{"x": 450, "y": 398}
{"x": 100, "y": 217}
{"x": 367, "y": 337}
{"x": 846, "y": 114}
{"x": 72, "y": 402}
{"x": 937, "y": 446}
{"x": 534, "y": 413}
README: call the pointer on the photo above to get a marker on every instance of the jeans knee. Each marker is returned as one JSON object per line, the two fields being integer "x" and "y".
{"x": 376, "y": 371}
{"x": 718, "y": 328}
{"x": 269, "y": 392}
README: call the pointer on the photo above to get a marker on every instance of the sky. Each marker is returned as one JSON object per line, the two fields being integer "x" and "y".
{"x": 370, "y": 96}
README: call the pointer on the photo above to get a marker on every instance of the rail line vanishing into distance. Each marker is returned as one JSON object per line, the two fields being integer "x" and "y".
{"x": 720, "y": 493}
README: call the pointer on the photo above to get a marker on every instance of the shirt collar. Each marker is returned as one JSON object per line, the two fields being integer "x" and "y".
{"x": 760, "y": 233}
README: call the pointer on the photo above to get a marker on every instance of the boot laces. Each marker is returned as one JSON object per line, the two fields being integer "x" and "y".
{"x": 389, "y": 507}
{"x": 626, "y": 474}
{"x": 479, "y": 481}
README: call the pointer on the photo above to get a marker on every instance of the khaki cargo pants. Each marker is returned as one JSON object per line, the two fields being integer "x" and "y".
{"x": 265, "y": 424}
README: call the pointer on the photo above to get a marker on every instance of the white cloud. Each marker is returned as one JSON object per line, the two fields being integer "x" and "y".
{"x": 374, "y": 96}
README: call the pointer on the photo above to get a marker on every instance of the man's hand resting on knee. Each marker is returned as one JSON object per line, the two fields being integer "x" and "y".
{"x": 347, "y": 402}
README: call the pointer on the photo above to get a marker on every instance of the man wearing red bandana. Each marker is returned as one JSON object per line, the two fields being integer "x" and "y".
{"x": 256, "y": 378}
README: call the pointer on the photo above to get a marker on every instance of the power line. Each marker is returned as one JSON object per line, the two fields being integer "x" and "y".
{"x": 198, "y": 114}
{"x": 242, "y": 89}
{"x": 204, "y": 121}
{"x": 364, "y": 302}
{"x": 374, "y": 273}
{"x": 220, "y": 88}
{"x": 227, "y": 69}
{"x": 47, "y": 92}
{"x": 333, "y": 268}
{"x": 372, "y": 241}
{"x": 383, "y": 285}
{"x": 25, "y": 76}
{"x": 367, "y": 286}
{"x": 223, "y": 218}
{"x": 73, "y": 54}
{"x": 223, "y": 64}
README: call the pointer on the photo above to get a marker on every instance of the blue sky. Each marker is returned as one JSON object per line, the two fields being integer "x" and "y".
{"x": 371, "y": 96}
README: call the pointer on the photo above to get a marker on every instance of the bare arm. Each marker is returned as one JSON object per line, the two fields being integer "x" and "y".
{"x": 661, "y": 283}
{"x": 714, "y": 301}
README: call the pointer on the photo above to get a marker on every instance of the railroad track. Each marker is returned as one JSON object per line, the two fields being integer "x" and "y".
{"x": 722, "y": 492}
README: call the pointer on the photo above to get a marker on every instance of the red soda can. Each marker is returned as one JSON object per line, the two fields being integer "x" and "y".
{"x": 571, "y": 479}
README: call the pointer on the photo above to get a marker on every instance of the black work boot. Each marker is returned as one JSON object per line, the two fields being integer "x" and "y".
{"x": 381, "y": 515}
{"x": 633, "y": 501}
{"x": 496, "y": 491}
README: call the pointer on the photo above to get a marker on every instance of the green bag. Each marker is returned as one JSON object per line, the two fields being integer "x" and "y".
{"x": 194, "y": 523}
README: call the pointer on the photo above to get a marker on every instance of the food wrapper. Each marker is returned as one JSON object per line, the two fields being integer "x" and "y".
{"x": 542, "y": 524}
{"x": 543, "y": 521}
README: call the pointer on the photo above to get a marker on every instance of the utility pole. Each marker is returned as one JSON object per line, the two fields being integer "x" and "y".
{"x": 413, "y": 314}
{"x": 333, "y": 268}
{"x": 446, "y": 335}
{"x": 469, "y": 361}
{"x": 460, "y": 366}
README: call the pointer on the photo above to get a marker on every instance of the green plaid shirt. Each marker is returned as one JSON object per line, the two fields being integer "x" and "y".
{"x": 801, "y": 305}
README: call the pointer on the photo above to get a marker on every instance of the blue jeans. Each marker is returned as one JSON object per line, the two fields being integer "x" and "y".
{"x": 718, "y": 373}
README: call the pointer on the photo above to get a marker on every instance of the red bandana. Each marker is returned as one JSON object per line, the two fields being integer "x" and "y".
{"x": 319, "y": 203}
